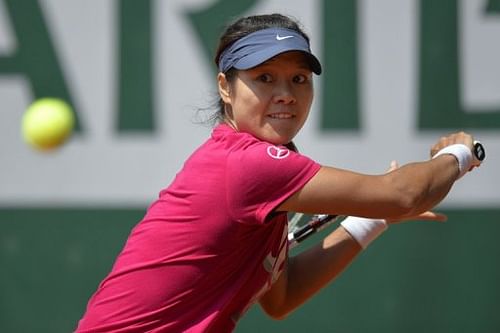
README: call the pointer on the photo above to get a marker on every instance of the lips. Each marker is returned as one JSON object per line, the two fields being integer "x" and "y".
{"x": 281, "y": 115}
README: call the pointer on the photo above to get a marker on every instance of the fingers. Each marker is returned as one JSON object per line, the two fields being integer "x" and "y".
{"x": 432, "y": 216}
{"x": 426, "y": 216}
{"x": 454, "y": 138}
{"x": 468, "y": 152}
{"x": 394, "y": 165}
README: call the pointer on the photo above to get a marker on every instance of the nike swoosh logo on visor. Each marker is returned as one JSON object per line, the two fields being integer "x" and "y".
{"x": 278, "y": 37}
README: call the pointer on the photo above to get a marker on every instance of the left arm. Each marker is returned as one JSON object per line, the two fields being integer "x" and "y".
{"x": 307, "y": 273}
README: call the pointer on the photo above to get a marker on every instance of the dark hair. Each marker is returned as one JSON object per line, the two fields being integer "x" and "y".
{"x": 242, "y": 27}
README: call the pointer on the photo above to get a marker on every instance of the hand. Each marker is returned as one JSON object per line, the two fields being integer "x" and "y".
{"x": 455, "y": 138}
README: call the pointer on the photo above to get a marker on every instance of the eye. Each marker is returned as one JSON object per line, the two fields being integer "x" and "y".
{"x": 266, "y": 78}
{"x": 300, "y": 79}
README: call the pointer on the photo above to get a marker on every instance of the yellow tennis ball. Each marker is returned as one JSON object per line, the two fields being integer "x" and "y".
{"x": 47, "y": 123}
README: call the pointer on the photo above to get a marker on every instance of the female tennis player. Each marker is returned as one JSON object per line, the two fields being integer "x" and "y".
{"x": 215, "y": 241}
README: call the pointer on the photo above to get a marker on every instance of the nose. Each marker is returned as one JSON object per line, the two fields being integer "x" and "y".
{"x": 283, "y": 93}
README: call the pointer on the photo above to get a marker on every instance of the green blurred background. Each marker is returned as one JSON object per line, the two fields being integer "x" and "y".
{"x": 419, "y": 277}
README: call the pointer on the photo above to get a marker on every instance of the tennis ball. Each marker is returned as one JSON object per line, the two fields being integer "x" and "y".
{"x": 47, "y": 123}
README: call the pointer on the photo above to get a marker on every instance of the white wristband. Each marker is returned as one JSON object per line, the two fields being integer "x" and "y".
{"x": 364, "y": 230}
{"x": 463, "y": 155}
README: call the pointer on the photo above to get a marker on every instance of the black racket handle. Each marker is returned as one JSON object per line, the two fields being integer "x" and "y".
{"x": 478, "y": 152}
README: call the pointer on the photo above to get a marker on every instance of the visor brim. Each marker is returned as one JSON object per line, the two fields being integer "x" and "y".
{"x": 257, "y": 58}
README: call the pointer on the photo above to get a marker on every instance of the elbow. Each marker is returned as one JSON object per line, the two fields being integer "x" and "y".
{"x": 276, "y": 314}
{"x": 275, "y": 310}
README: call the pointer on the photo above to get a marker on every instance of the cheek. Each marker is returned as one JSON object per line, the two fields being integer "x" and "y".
{"x": 248, "y": 103}
{"x": 306, "y": 98}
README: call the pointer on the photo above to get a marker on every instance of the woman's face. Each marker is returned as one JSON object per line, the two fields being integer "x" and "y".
{"x": 271, "y": 101}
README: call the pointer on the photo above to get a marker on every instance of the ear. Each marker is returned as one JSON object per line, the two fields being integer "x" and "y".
{"x": 224, "y": 88}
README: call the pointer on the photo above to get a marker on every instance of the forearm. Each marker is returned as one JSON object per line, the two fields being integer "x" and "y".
{"x": 310, "y": 271}
{"x": 425, "y": 184}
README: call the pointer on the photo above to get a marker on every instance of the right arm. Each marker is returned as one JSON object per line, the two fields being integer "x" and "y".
{"x": 407, "y": 191}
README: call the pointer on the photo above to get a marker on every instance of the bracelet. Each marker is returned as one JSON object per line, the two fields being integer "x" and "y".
{"x": 364, "y": 230}
{"x": 463, "y": 155}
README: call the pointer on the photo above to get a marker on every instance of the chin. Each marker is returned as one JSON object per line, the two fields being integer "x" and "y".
{"x": 274, "y": 136}
{"x": 279, "y": 139}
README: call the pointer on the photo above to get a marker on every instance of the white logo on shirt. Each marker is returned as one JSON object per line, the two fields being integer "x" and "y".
{"x": 278, "y": 37}
{"x": 277, "y": 152}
